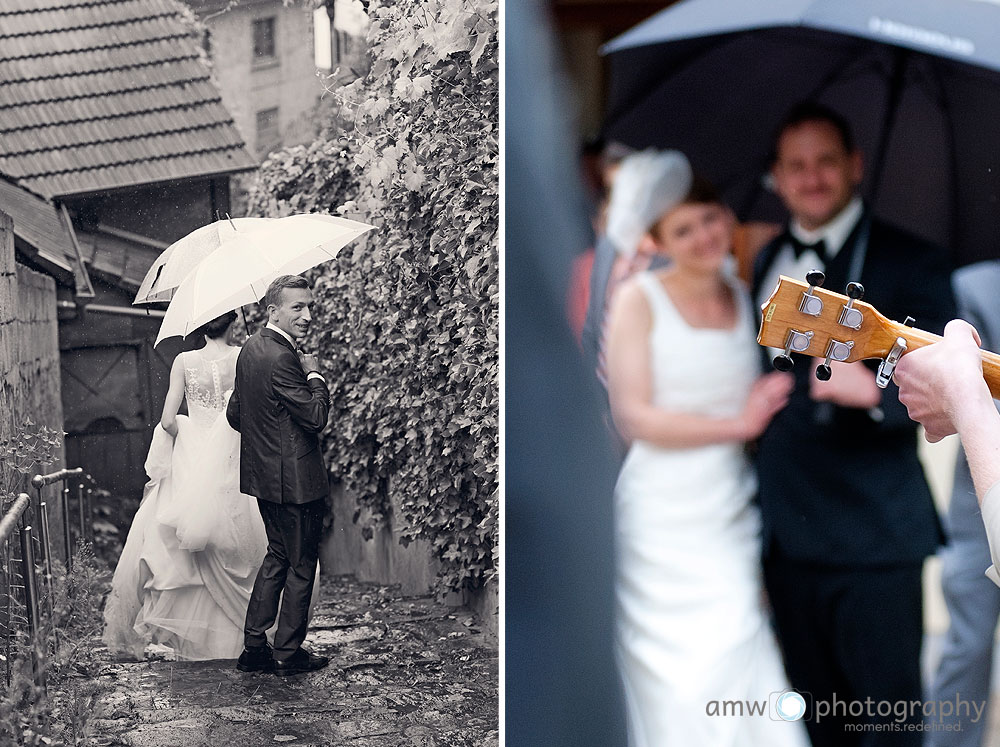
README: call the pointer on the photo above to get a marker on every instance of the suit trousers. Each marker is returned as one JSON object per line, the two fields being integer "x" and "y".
{"x": 293, "y": 536}
{"x": 851, "y": 639}
{"x": 967, "y": 654}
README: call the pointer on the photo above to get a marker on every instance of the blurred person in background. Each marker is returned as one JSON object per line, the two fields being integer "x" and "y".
{"x": 600, "y": 165}
{"x": 848, "y": 514}
{"x": 636, "y": 202}
{"x": 685, "y": 390}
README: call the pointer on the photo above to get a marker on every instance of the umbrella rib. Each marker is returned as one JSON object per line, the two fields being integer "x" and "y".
{"x": 953, "y": 207}
{"x": 900, "y": 61}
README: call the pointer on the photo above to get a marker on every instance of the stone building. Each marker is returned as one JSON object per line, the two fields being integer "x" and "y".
{"x": 114, "y": 142}
{"x": 263, "y": 59}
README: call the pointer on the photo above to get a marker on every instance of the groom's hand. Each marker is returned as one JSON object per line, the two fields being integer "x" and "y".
{"x": 310, "y": 363}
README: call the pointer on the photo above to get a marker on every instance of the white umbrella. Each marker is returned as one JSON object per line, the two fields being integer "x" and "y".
{"x": 239, "y": 271}
{"x": 181, "y": 257}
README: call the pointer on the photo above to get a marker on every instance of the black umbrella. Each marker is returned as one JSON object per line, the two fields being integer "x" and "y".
{"x": 919, "y": 81}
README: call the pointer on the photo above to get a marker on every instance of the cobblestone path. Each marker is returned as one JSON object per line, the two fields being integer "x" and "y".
{"x": 403, "y": 671}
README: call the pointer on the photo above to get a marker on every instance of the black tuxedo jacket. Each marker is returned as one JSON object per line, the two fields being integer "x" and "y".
{"x": 279, "y": 414}
{"x": 842, "y": 486}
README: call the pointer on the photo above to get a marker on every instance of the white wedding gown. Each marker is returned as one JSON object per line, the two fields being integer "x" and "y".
{"x": 691, "y": 629}
{"x": 196, "y": 543}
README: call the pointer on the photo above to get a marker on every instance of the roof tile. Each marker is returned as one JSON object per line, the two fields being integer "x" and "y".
{"x": 100, "y": 94}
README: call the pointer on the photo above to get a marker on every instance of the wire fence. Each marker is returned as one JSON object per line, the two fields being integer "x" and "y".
{"x": 27, "y": 552}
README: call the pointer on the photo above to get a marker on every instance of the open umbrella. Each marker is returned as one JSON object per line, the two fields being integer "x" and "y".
{"x": 919, "y": 81}
{"x": 239, "y": 271}
{"x": 178, "y": 259}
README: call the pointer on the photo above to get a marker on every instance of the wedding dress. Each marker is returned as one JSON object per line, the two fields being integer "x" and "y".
{"x": 691, "y": 629}
{"x": 185, "y": 574}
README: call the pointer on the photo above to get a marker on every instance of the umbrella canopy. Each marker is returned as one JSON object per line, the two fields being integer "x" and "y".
{"x": 178, "y": 259}
{"x": 239, "y": 271}
{"x": 919, "y": 81}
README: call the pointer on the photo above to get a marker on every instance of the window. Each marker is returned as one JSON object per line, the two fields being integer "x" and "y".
{"x": 268, "y": 135}
{"x": 263, "y": 39}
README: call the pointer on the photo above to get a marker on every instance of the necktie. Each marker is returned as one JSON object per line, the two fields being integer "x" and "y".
{"x": 798, "y": 247}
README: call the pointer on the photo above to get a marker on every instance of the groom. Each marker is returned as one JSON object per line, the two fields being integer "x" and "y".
{"x": 279, "y": 405}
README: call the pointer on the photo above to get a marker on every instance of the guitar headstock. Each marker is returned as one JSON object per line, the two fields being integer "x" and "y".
{"x": 804, "y": 318}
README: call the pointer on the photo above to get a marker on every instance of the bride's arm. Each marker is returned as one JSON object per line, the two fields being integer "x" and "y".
{"x": 630, "y": 387}
{"x": 175, "y": 394}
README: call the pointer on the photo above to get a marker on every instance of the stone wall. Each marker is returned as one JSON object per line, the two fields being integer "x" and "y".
{"x": 382, "y": 559}
{"x": 29, "y": 357}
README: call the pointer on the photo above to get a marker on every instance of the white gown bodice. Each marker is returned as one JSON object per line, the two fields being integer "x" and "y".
{"x": 188, "y": 566}
{"x": 701, "y": 371}
{"x": 208, "y": 383}
{"x": 690, "y": 624}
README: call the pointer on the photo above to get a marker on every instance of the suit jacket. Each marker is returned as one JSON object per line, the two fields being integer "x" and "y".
{"x": 841, "y": 486}
{"x": 279, "y": 414}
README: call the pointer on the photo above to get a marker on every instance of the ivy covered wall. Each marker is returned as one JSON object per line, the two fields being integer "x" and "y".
{"x": 407, "y": 320}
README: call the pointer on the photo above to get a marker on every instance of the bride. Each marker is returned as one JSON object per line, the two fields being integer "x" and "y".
{"x": 185, "y": 574}
{"x": 683, "y": 385}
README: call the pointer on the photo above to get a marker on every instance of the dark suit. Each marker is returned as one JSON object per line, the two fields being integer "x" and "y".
{"x": 847, "y": 513}
{"x": 279, "y": 414}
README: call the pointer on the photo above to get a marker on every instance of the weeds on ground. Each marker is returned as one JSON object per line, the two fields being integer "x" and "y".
{"x": 61, "y": 713}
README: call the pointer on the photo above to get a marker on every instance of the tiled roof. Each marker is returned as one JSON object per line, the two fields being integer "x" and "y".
{"x": 37, "y": 222}
{"x": 214, "y": 6}
{"x": 101, "y": 94}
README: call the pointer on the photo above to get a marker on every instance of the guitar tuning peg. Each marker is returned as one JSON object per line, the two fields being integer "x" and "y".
{"x": 810, "y": 304}
{"x": 783, "y": 362}
{"x": 836, "y": 350}
{"x": 850, "y": 316}
{"x": 795, "y": 341}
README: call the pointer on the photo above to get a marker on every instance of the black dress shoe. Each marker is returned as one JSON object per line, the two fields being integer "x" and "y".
{"x": 256, "y": 660}
{"x": 299, "y": 662}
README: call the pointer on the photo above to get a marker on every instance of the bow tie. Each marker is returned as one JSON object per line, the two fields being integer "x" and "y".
{"x": 819, "y": 247}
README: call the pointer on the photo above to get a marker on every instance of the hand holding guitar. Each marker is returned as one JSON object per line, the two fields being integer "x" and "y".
{"x": 942, "y": 385}
{"x": 946, "y": 383}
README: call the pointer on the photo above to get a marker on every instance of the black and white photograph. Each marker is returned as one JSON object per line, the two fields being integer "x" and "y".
{"x": 466, "y": 373}
{"x": 250, "y": 372}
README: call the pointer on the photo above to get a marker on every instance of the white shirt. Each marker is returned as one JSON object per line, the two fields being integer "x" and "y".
{"x": 834, "y": 234}
{"x": 991, "y": 518}
{"x": 288, "y": 337}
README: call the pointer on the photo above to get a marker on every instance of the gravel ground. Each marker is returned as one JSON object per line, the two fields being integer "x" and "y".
{"x": 403, "y": 671}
